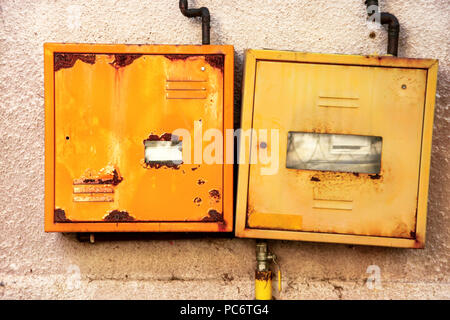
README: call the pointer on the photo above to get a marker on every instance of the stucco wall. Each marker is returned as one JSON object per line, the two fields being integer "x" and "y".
{"x": 34, "y": 264}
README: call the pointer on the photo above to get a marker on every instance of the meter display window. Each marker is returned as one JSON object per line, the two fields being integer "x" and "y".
{"x": 163, "y": 152}
{"x": 333, "y": 152}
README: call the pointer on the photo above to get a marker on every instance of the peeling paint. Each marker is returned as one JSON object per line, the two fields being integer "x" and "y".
{"x": 263, "y": 275}
{"x": 67, "y": 60}
{"x": 215, "y": 194}
{"x": 197, "y": 201}
{"x": 326, "y": 177}
{"x": 174, "y": 57}
{"x": 201, "y": 181}
{"x": 215, "y": 61}
{"x": 160, "y": 164}
{"x": 123, "y": 60}
{"x": 213, "y": 216}
{"x": 163, "y": 137}
{"x": 118, "y": 216}
{"x": 107, "y": 175}
{"x": 60, "y": 216}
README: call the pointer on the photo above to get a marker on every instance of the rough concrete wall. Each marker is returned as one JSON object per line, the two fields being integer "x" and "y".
{"x": 38, "y": 265}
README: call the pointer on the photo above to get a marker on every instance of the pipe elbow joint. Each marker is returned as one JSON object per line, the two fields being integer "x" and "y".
{"x": 202, "y": 12}
{"x": 184, "y": 7}
{"x": 391, "y": 21}
{"x": 206, "y": 17}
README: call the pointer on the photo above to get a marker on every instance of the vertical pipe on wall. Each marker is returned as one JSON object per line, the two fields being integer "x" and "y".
{"x": 385, "y": 18}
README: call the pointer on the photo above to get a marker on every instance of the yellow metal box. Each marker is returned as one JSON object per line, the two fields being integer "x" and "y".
{"x": 339, "y": 148}
{"x": 112, "y": 159}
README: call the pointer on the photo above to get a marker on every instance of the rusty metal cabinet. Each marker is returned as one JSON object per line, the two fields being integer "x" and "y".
{"x": 106, "y": 107}
{"x": 352, "y": 146}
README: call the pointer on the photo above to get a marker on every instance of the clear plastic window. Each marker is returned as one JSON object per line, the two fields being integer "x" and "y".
{"x": 334, "y": 152}
{"x": 163, "y": 152}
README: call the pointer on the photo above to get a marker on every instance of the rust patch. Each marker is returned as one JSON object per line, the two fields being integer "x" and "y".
{"x": 419, "y": 243}
{"x": 163, "y": 137}
{"x": 341, "y": 177}
{"x": 123, "y": 60}
{"x": 200, "y": 181}
{"x": 407, "y": 61}
{"x": 60, "y": 216}
{"x": 107, "y": 175}
{"x": 174, "y": 57}
{"x": 67, "y": 60}
{"x": 263, "y": 275}
{"x": 118, "y": 216}
{"x": 197, "y": 201}
{"x": 160, "y": 164}
{"x": 213, "y": 216}
{"x": 215, "y": 194}
{"x": 215, "y": 61}
{"x": 222, "y": 225}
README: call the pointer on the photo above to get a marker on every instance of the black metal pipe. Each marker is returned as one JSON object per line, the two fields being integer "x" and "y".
{"x": 370, "y": 3}
{"x": 200, "y": 12}
{"x": 390, "y": 20}
{"x": 393, "y": 31}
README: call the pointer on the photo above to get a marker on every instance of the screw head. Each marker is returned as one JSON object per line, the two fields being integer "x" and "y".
{"x": 403, "y": 86}
{"x": 203, "y": 68}
{"x": 263, "y": 145}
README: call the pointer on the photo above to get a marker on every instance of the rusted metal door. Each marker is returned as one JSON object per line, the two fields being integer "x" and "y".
{"x": 348, "y": 100}
{"x": 349, "y": 150}
{"x": 109, "y": 109}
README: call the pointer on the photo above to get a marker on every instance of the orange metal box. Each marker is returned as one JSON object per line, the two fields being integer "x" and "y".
{"x": 112, "y": 159}
{"x": 346, "y": 148}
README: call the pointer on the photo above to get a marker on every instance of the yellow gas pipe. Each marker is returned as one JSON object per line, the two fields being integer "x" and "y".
{"x": 263, "y": 274}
